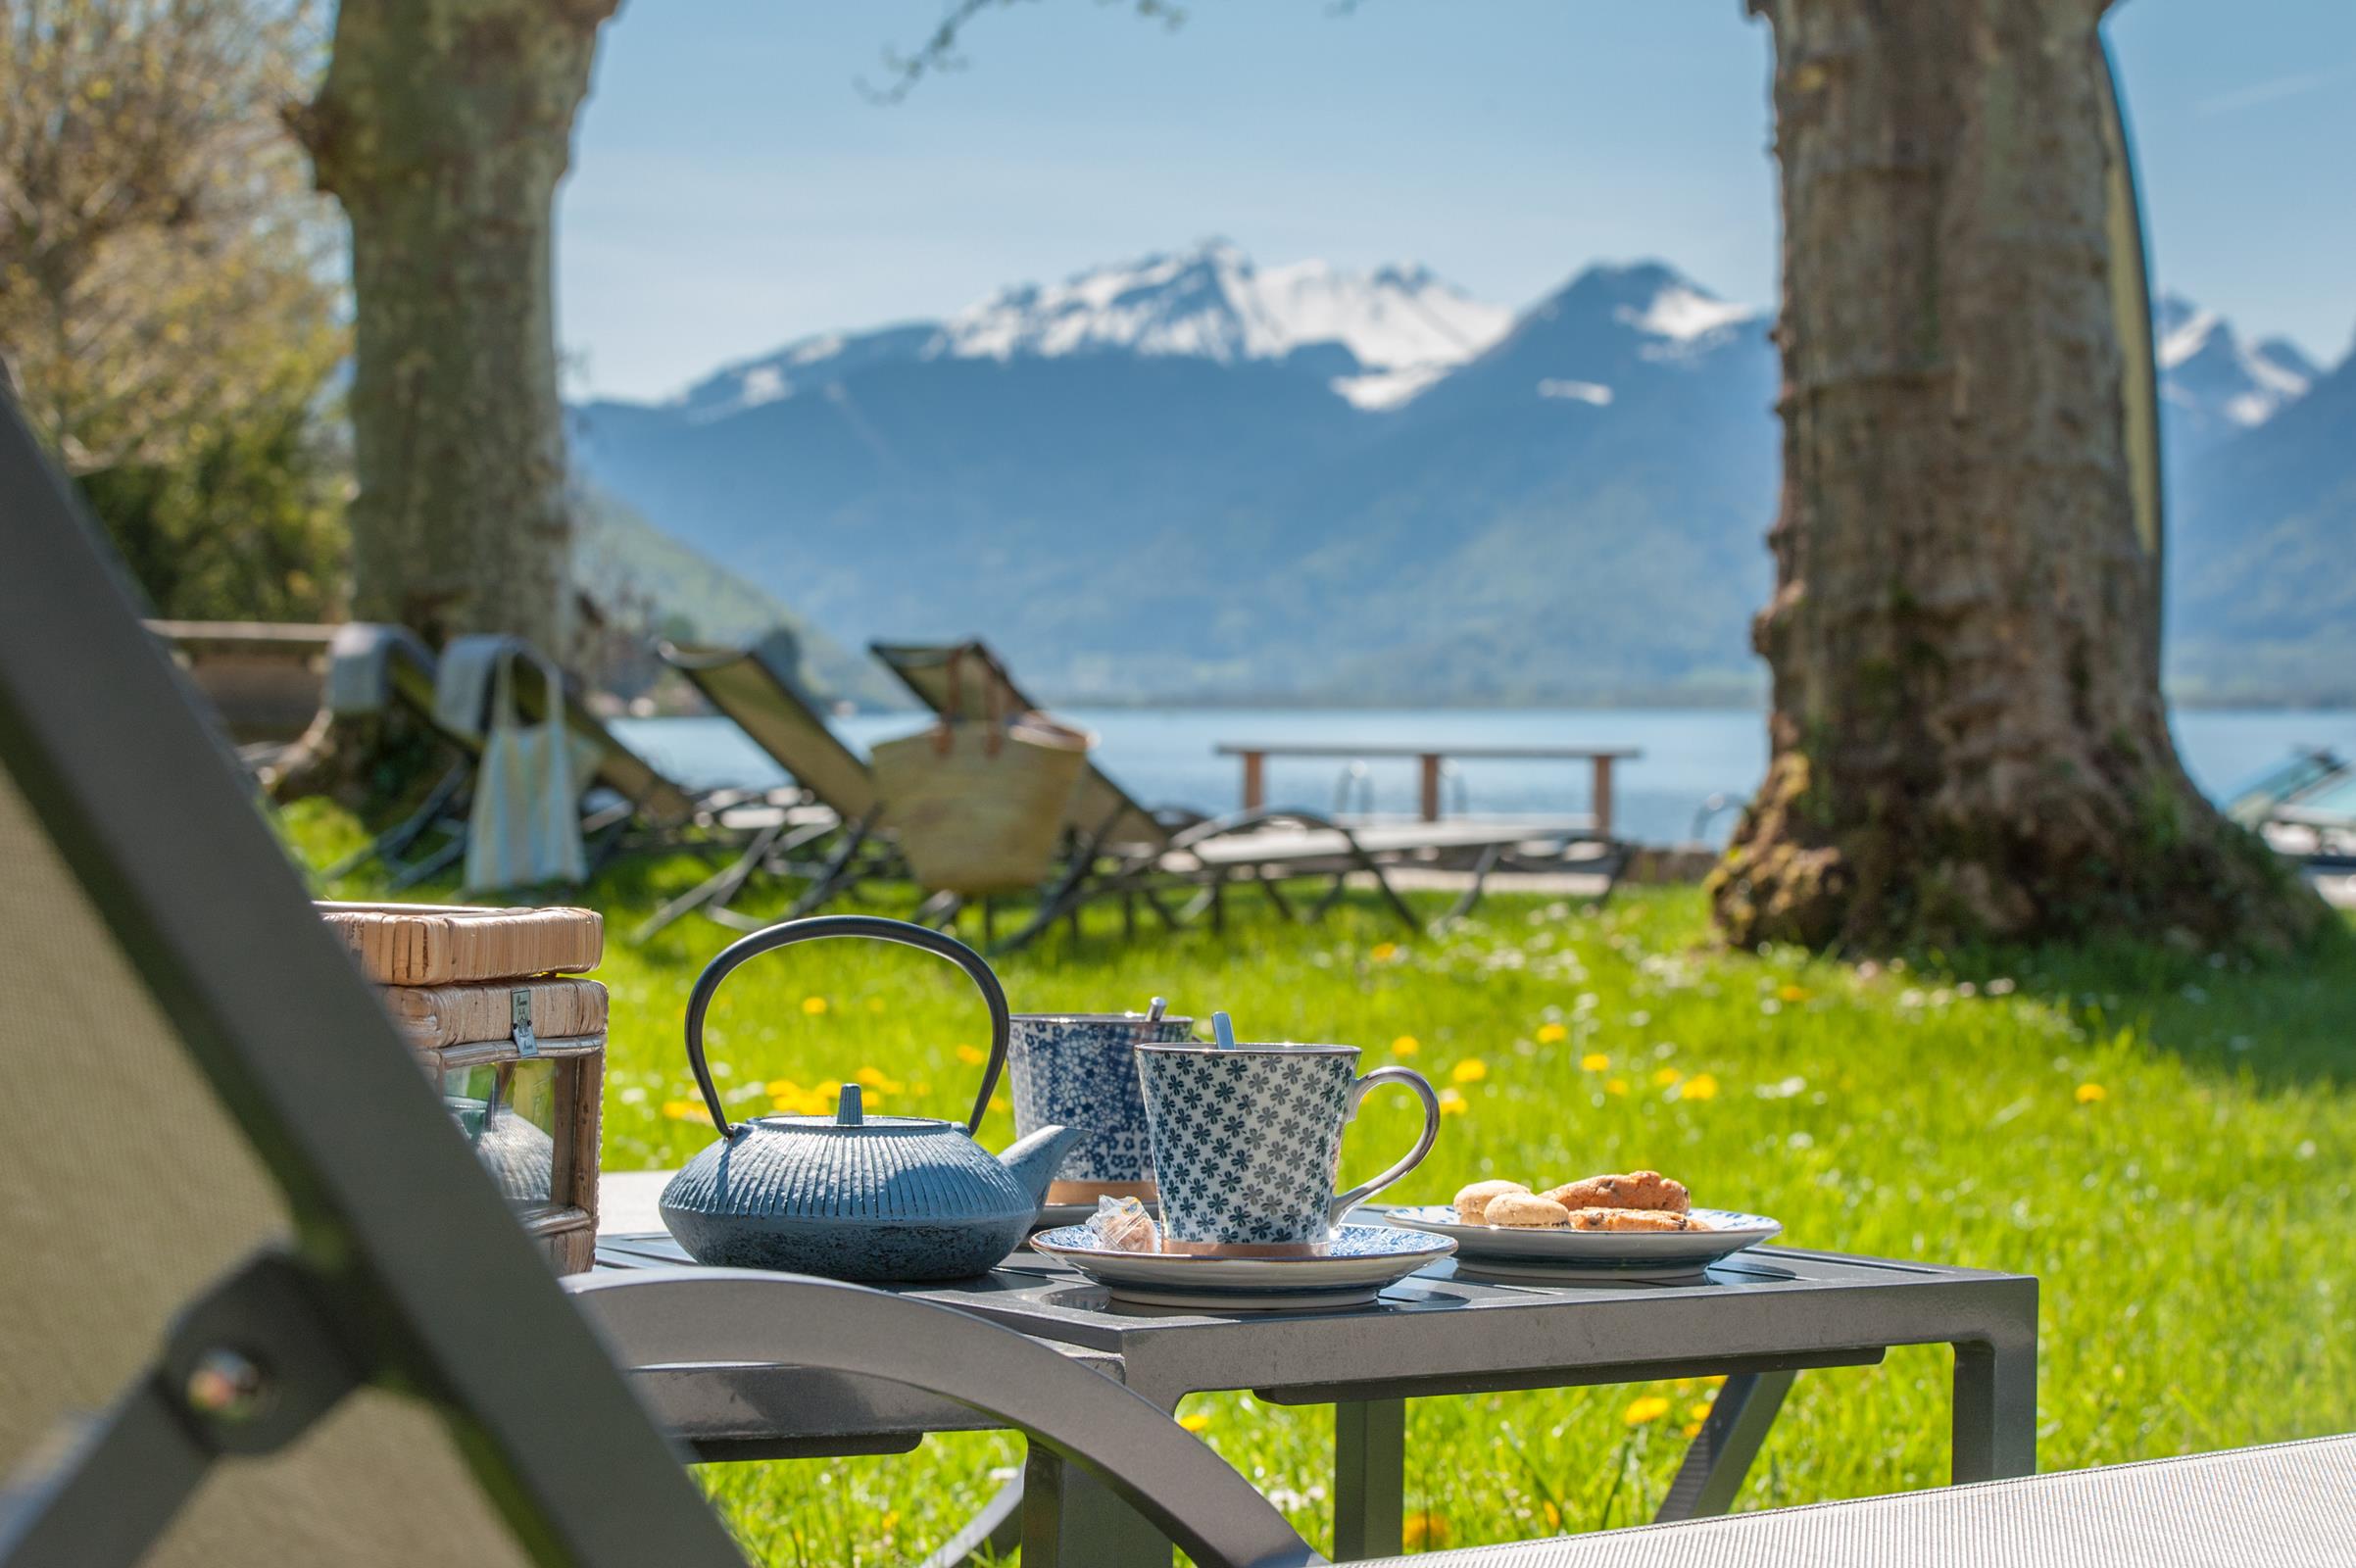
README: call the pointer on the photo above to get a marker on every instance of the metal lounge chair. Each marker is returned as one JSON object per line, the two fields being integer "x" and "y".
{"x": 623, "y": 788}
{"x": 1122, "y": 849}
{"x": 269, "y": 1308}
{"x": 829, "y": 843}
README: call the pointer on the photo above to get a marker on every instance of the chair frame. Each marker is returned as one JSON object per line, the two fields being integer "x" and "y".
{"x": 646, "y": 795}
{"x": 830, "y": 858}
{"x": 408, "y": 1271}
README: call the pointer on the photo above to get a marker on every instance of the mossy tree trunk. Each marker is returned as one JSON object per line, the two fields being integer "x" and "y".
{"x": 1968, "y": 734}
{"x": 444, "y": 127}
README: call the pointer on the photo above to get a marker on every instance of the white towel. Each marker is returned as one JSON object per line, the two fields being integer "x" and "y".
{"x": 360, "y": 658}
{"x": 461, "y": 690}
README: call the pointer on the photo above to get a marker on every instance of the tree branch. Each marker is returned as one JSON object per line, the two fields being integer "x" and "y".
{"x": 939, "y": 51}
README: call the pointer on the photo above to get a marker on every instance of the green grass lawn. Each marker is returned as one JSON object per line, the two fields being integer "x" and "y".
{"x": 2167, "y": 1138}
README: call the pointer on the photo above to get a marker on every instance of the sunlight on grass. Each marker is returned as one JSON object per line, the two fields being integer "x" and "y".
{"x": 2168, "y": 1140}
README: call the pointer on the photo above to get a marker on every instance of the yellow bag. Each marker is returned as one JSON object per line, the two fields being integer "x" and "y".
{"x": 977, "y": 806}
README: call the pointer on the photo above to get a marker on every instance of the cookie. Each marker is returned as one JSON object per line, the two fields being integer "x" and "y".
{"x": 1632, "y": 1219}
{"x": 1474, "y": 1200}
{"x": 1527, "y": 1211}
{"x": 1641, "y": 1188}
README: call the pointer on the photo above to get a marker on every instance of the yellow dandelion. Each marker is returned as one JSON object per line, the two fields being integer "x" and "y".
{"x": 1424, "y": 1528}
{"x": 1193, "y": 1421}
{"x": 1551, "y": 1514}
{"x": 1382, "y": 951}
{"x": 1699, "y": 1410}
{"x": 1551, "y": 1033}
{"x": 781, "y": 1087}
{"x": 999, "y": 1103}
{"x": 1594, "y": 1061}
{"x": 683, "y": 1110}
{"x": 1667, "y": 1076}
{"x": 1794, "y": 993}
{"x": 1692, "y": 1429}
{"x": 2087, "y": 1094}
{"x": 891, "y": 1520}
{"x": 1471, "y": 1070}
{"x": 1646, "y": 1409}
{"x": 973, "y": 1055}
{"x": 1702, "y": 1086}
{"x": 1453, "y": 1104}
{"x": 1405, "y": 1045}
{"x": 1617, "y": 1086}
{"x": 814, "y": 1005}
{"x": 875, "y": 1078}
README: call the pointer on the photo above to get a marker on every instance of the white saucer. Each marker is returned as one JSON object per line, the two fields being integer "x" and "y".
{"x": 1507, "y": 1251}
{"x": 1361, "y": 1262}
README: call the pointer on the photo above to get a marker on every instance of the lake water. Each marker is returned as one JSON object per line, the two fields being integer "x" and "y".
{"x": 1164, "y": 756}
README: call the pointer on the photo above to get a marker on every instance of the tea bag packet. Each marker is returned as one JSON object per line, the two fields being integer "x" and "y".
{"x": 1122, "y": 1225}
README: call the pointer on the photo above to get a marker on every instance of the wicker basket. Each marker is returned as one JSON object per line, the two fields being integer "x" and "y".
{"x": 976, "y": 804}
{"x": 438, "y": 944}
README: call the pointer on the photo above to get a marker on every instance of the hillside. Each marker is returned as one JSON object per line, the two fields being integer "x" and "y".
{"x": 2265, "y": 559}
{"x": 631, "y": 568}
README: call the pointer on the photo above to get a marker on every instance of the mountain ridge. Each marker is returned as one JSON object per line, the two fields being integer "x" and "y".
{"x": 1187, "y": 478}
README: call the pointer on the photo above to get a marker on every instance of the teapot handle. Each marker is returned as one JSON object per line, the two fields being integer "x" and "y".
{"x": 873, "y": 926}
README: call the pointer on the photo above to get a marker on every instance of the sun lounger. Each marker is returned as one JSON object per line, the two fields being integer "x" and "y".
{"x": 268, "y": 1308}
{"x": 1122, "y": 849}
{"x": 1101, "y": 811}
{"x": 831, "y": 849}
{"x": 371, "y": 666}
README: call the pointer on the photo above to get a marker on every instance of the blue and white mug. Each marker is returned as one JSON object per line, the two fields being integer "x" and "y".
{"x": 1248, "y": 1141}
{"x": 1079, "y": 1069}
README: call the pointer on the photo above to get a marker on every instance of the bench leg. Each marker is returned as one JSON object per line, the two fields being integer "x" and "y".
{"x": 1370, "y": 1479}
{"x": 1717, "y": 1460}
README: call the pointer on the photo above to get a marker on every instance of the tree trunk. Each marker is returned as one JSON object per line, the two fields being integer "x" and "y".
{"x": 1968, "y": 735}
{"x": 443, "y": 128}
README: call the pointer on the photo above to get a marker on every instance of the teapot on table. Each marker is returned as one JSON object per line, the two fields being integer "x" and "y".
{"x": 854, "y": 1197}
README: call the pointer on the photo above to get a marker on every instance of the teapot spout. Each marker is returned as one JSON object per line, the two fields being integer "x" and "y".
{"x": 1033, "y": 1161}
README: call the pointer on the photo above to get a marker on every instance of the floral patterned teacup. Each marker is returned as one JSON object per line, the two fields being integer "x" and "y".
{"x": 1248, "y": 1141}
{"x": 1079, "y": 1069}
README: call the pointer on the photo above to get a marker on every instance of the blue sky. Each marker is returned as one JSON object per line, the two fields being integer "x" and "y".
{"x": 732, "y": 190}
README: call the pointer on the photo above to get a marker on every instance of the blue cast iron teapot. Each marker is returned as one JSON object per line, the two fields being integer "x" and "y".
{"x": 849, "y": 1196}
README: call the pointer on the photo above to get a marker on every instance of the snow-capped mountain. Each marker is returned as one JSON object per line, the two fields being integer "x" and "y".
{"x": 2212, "y": 382}
{"x": 1377, "y": 337}
{"x": 1190, "y": 476}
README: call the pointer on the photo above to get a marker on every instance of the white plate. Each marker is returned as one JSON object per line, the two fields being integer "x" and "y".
{"x": 1517, "y": 1252}
{"x": 1362, "y": 1259}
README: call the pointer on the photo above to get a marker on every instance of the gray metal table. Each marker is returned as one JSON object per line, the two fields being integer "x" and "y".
{"x": 1758, "y": 1319}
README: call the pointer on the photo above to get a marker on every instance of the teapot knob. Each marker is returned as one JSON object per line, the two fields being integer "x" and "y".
{"x": 848, "y": 1112}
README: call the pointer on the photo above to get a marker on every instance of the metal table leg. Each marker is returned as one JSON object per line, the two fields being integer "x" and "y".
{"x": 1717, "y": 1460}
{"x": 1995, "y": 1407}
{"x": 1070, "y": 1521}
{"x": 1370, "y": 1473}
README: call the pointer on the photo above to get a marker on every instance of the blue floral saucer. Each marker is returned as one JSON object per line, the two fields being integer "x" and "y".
{"x": 1358, "y": 1262}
